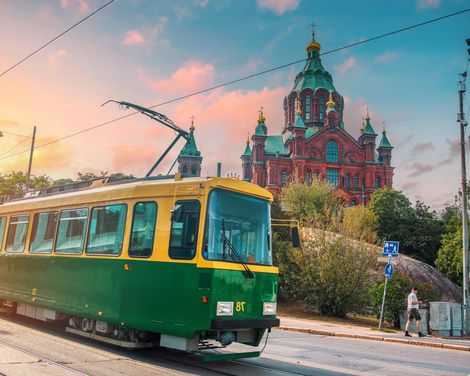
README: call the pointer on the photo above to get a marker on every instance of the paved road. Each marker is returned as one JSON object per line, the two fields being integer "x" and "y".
{"x": 28, "y": 347}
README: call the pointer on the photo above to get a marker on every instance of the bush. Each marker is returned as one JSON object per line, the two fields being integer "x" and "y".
{"x": 343, "y": 276}
{"x": 398, "y": 288}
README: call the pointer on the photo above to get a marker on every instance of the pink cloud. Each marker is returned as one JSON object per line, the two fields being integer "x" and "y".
{"x": 192, "y": 76}
{"x": 423, "y": 146}
{"x": 133, "y": 37}
{"x": 425, "y": 4}
{"x": 278, "y": 6}
{"x": 386, "y": 57}
{"x": 250, "y": 66}
{"x": 83, "y": 5}
{"x": 55, "y": 59}
{"x": 346, "y": 65}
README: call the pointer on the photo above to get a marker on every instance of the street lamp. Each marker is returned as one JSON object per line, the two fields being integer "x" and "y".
{"x": 33, "y": 138}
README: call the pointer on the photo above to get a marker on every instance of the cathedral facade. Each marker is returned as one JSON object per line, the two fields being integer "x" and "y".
{"x": 314, "y": 143}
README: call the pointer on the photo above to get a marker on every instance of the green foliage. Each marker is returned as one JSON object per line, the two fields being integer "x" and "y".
{"x": 417, "y": 229}
{"x": 360, "y": 223}
{"x": 449, "y": 259}
{"x": 344, "y": 275}
{"x": 291, "y": 270}
{"x": 14, "y": 184}
{"x": 315, "y": 204}
{"x": 398, "y": 288}
{"x": 394, "y": 213}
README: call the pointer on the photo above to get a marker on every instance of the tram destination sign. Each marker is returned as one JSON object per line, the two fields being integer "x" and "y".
{"x": 390, "y": 249}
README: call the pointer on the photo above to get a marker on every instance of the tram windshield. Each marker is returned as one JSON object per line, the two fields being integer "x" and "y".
{"x": 245, "y": 222}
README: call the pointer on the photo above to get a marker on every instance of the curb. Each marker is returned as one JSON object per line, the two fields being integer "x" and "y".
{"x": 377, "y": 338}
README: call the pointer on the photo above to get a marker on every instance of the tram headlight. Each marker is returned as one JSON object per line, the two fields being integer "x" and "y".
{"x": 224, "y": 308}
{"x": 269, "y": 308}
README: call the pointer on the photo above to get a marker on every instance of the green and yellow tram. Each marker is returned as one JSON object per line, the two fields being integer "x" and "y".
{"x": 181, "y": 262}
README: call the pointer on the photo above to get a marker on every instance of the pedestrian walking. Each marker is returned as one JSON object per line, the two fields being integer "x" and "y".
{"x": 413, "y": 312}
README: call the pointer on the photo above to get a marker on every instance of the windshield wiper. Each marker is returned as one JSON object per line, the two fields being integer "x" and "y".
{"x": 234, "y": 254}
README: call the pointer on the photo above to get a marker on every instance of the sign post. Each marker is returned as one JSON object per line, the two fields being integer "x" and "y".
{"x": 390, "y": 250}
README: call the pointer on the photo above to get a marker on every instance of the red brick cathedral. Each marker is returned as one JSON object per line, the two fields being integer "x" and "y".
{"x": 314, "y": 143}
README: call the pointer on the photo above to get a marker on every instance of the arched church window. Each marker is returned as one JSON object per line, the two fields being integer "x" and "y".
{"x": 194, "y": 170}
{"x": 353, "y": 203}
{"x": 185, "y": 169}
{"x": 356, "y": 182}
{"x": 377, "y": 183}
{"x": 284, "y": 177}
{"x": 308, "y": 177}
{"x": 322, "y": 107}
{"x": 307, "y": 107}
{"x": 332, "y": 176}
{"x": 332, "y": 152}
{"x": 348, "y": 182}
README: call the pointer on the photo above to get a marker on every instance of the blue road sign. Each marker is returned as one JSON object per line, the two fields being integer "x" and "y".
{"x": 390, "y": 249}
{"x": 389, "y": 270}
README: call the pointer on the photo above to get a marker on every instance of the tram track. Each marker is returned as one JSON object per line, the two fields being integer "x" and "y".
{"x": 41, "y": 359}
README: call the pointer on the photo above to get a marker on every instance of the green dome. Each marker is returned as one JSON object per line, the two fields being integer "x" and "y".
{"x": 313, "y": 76}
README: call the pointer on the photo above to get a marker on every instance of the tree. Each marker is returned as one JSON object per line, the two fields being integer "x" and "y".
{"x": 315, "y": 204}
{"x": 424, "y": 241}
{"x": 394, "y": 213}
{"x": 14, "y": 184}
{"x": 360, "y": 223}
{"x": 449, "y": 259}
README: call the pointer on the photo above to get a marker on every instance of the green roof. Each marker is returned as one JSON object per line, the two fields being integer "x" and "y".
{"x": 384, "y": 143}
{"x": 247, "y": 150}
{"x": 260, "y": 130}
{"x": 368, "y": 129}
{"x": 299, "y": 123}
{"x": 275, "y": 144}
{"x": 311, "y": 131}
{"x": 190, "y": 149}
{"x": 313, "y": 76}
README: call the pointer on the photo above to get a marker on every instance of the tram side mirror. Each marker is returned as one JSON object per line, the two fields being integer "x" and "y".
{"x": 177, "y": 213}
{"x": 295, "y": 237}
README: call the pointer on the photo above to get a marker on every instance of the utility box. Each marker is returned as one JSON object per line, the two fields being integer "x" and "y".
{"x": 424, "y": 328}
{"x": 441, "y": 319}
{"x": 457, "y": 319}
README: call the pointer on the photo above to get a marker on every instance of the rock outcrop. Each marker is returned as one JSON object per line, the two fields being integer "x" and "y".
{"x": 418, "y": 271}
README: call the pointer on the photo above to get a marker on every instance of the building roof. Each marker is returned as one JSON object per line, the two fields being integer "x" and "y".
{"x": 274, "y": 145}
{"x": 313, "y": 76}
{"x": 299, "y": 123}
{"x": 384, "y": 143}
{"x": 311, "y": 131}
{"x": 190, "y": 149}
{"x": 247, "y": 149}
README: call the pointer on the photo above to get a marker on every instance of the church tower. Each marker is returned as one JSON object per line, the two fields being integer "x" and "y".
{"x": 189, "y": 160}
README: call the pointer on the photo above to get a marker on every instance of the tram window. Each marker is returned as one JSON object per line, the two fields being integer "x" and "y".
{"x": 43, "y": 232}
{"x": 143, "y": 229}
{"x": 71, "y": 231}
{"x": 3, "y": 222}
{"x": 106, "y": 231}
{"x": 184, "y": 229}
{"x": 16, "y": 237}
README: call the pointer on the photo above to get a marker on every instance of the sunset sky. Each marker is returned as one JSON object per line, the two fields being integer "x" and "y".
{"x": 148, "y": 52}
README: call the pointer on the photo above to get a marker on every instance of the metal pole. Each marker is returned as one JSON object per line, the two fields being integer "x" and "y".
{"x": 383, "y": 299}
{"x": 28, "y": 177}
{"x": 464, "y": 201}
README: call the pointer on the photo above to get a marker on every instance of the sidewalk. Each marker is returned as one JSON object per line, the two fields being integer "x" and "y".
{"x": 360, "y": 332}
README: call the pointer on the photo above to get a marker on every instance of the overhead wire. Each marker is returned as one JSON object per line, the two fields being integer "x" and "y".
{"x": 54, "y": 39}
{"x": 14, "y": 147}
{"x": 218, "y": 86}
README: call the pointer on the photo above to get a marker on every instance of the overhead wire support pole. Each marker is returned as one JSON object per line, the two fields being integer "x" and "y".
{"x": 28, "y": 177}
{"x": 463, "y": 124}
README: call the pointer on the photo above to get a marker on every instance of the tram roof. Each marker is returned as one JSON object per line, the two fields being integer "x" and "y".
{"x": 134, "y": 188}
